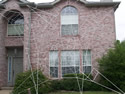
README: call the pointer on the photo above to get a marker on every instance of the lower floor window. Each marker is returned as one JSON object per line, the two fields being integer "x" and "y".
{"x": 53, "y": 60}
{"x": 87, "y": 69}
{"x": 54, "y": 72}
{"x": 87, "y": 61}
{"x": 70, "y": 62}
{"x": 69, "y": 70}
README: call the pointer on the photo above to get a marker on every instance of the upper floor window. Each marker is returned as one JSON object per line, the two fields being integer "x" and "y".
{"x": 69, "y": 21}
{"x": 15, "y": 24}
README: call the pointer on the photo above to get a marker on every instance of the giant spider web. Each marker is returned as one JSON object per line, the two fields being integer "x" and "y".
{"x": 14, "y": 15}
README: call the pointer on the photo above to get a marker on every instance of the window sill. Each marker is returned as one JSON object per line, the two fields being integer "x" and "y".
{"x": 70, "y": 35}
{"x": 14, "y": 36}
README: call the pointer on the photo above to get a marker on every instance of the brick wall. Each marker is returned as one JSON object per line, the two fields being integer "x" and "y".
{"x": 3, "y": 64}
{"x": 96, "y": 32}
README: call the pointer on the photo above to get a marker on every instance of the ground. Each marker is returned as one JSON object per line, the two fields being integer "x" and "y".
{"x": 92, "y": 92}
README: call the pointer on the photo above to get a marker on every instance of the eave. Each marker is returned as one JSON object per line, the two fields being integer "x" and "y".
{"x": 102, "y": 4}
{"x": 25, "y": 3}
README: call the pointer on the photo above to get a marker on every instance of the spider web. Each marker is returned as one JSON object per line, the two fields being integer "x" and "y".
{"x": 49, "y": 23}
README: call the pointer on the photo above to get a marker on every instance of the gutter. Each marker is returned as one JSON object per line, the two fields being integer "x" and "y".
{"x": 116, "y": 6}
{"x": 45, "y": 5}
{"x": 86, "y": 3}
{"x": 102, "y": 4}
{"x": 25, "y": 4}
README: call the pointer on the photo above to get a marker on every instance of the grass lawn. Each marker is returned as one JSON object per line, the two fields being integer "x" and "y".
{"x": 89, "y": 92}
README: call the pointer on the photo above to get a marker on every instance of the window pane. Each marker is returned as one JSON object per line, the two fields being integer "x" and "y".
{"x": 15, "y": 30}
{"x": 70, "y": 61}
{"x": 69, "y": 10}
{"x": 87, "y": 69}
{"x": 87, "y": 61}
{"x": 70, "y": 29}
{"x": 87, "y": 53}
{"x": 54, "y": 72}
{"x": 69, "y": 19}
{"x": 53, "y": 59}
{"x": 87, "y": 58}
{"x": 16, "y": 18}
{"x": 69, "y": 70}
{"x": 19, "y": 21}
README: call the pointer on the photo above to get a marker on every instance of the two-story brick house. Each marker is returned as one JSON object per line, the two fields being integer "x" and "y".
{"x": 60, "y": 37}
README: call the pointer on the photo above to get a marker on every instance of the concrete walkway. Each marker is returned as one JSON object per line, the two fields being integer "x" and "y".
{"x": 5, "y": 91}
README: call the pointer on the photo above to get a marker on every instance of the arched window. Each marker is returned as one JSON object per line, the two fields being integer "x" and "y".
{"x": 69, "y": 21}
{"x": 15, "y": 23}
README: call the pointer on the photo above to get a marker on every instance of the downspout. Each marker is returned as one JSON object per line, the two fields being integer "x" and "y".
{"x": 29, "y": 41}
{"x": 29, "y": 49}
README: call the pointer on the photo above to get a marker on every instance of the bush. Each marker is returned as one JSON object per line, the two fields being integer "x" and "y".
{"x": 74, "y": 84}
{"x": 112, "y": 65}
{"x": 57, "y": 85}
{"x": 24, "y": 81}
{"x": 71, "y": 83}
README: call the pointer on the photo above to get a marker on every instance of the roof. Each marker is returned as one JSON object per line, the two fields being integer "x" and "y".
{"x": 24, "y": 3}
{"x": 2, "y": 3}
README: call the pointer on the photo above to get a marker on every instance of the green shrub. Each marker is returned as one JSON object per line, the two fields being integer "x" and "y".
{"x": 57, "y": 85}
{"x": 25, "y": 81}
{"x": 77, "y": 83}
{"x": 71, "y": 83}
{"x": 112, "y": 66}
